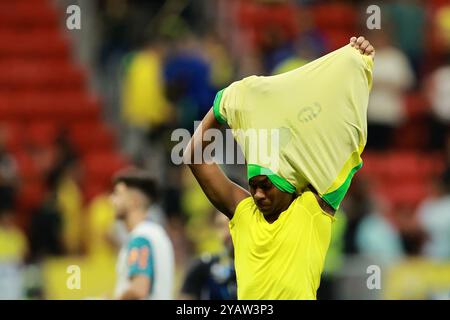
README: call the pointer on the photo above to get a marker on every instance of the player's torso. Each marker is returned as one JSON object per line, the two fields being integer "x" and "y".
{"x": 282, "y": 260}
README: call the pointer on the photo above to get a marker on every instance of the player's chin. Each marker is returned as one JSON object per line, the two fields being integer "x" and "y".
{"x": 266, "y": 210}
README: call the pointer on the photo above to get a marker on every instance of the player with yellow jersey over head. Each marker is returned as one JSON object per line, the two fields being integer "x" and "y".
{"x": 281, "y": 227}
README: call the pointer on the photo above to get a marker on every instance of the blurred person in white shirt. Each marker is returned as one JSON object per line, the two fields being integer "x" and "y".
{"x": 392, "y": 77}
{"x": 145, "y": 267}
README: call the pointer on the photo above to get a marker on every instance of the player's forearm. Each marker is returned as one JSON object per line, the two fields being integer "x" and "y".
{"x": 220, "y": 191}
{"x": 203, "y": 172}
{"x": 198, "y": 143}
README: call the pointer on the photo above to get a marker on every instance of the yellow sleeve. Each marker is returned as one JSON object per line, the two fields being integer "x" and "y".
{"x": 228, "y": 101}
{"x": 241, "y": 209}
{"x": 363, "y": 60}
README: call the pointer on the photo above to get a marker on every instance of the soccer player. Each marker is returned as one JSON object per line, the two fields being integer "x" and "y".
{"x": 280, "y": 236}
{"x": 145, "y": 266}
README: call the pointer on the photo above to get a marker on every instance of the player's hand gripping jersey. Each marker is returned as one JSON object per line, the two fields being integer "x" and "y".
{"x": 306, "y": 126}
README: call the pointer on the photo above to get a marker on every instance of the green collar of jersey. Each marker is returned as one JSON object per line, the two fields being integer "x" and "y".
{"x": 333, "y": 198}
{"x": 254, "y": 170}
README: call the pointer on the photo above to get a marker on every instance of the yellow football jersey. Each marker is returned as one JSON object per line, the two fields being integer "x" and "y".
{"x": 317, "y": 114}
{"x": 282, "y": 260}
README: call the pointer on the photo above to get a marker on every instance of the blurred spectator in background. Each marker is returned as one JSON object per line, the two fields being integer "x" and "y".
{"x": 356, "y": 206}
{"x": 334, "y": 259}
{"x": 46, "y": 236}
{"x": 56, "y": 226}
{"x": 187, "y": 75}
{"x": 212, "y": 277}
{"x": 144, "y": 106}
{"x": 100, "y": 224}
{"x": 405, "y": 219}
{"x": 368, "y": 232}
{"x": 64, "y": 180}
{"x": 70, "y": 204}
{"x": 145, "y": 264}
{"x": 199, "y": 225}
{"x": 438, "y": 92}
{"x": 8, "y": 175}
{"x": 392, "y": 76}
{"x": 434, "y": 216}
{"x": 269, "y": 27}
{"x": 221, "y": 64}
{"x": 309, "y": 44}
{"x": 378, "y": 239}
{"x": 439, "y": 35}
{"x": 408, "y": 20}
{"x": 13, "y": 250}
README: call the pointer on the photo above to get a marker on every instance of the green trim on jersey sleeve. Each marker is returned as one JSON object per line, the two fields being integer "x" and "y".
{"x": 279, "y": 182}
{"x": 216, "y": 107}
{"x": 335, "y": 198}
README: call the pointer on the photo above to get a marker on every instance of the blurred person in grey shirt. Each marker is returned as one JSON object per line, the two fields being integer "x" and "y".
{"x": 434, "y": 216}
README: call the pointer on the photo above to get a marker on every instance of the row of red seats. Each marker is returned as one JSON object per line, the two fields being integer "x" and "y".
{"x": 84, "y": 136}
{"x": 402, "y": 164}
{"x": 33, "y": 75}
{"x": 41, "y": 92}
{"x": 33, "y": 43}
{"x": 403, "y": 178}
{"x": 27, "y": 13}
{"x": 64, "y": 106}
{"x": 338, "y": 21}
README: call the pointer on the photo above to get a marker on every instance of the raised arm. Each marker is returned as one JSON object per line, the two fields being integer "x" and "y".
{"x": 224, "y": 194}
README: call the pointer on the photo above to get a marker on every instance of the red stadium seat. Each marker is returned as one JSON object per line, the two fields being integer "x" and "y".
{"x": 26, "y": 166}
{"x": 416, "y": 105}
{"x": 27, "y": 14}
{"x": 42, "y": 133}
{"x": 14, "y": 135}
{"x": 39, "y": 43}
{"x": 337, "y": 38}
{"x": 335, "y": 16}
{"x": 62, "y": 106}
{"x": 35, "y": 74}
{"x": 409, "y": 195}
{"x": 402, "y": 164}
{"x": 91, "y": 136}
{"x": 101, "y": 166}
{"x": 403, "y": 178}
{"x": 256, "y": 19}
